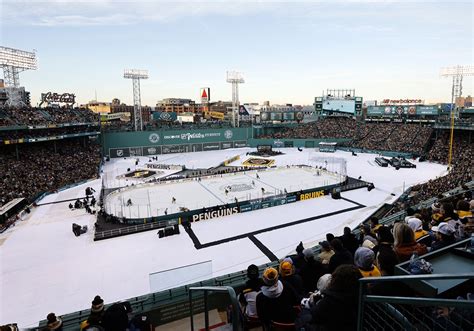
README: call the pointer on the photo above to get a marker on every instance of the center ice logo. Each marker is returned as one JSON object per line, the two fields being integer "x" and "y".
{"x": 228, "y": 134}
{"x": 236, "y": 187}
{"x": 154, "y": 138}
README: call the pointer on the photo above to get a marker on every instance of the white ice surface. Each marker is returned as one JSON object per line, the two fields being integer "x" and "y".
{"x": 152, "y": 199}
{"x": 45, "y": 268}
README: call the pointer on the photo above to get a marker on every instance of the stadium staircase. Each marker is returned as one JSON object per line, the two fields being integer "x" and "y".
{"x": 45, "y": 114}
{"x": 172, "y": 308}
{"x": 429, "y": 144}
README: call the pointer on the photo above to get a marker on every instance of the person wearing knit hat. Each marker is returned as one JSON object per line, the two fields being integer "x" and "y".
{"x": 298, "y": 259}
{"x": 444, "y": 234}
{"x": 288, "y": 259}
{"x": 252, "y": 271}
{"x": 97, "y": 304}
{"x": 286, "y": 269}
{"x": 364, "y": 260}
{"x": 97, "y": 313}
{"x": 299, "y": 248}
{"x": 436, "y": 207}
{"x": 366, "y": 234}
{"x": 417, "y": 226}
{"x": 248, "y": 296}
{"x": 289, "y": 278}
{"x": 54, "y": 323}
{"x": 308, "y": 253}
{"x": 270, "y": 276}
{"x": 322, "y": 284}
{"x": 275, "y": 302}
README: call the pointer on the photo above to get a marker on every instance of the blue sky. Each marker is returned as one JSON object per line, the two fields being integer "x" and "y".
{"x": 289, "y": 52}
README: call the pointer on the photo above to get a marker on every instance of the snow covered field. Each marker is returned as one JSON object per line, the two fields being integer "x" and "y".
{"x": 45, "y": 268}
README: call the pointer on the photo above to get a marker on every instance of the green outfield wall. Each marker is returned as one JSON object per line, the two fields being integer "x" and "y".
{"x": 148, "y": 143}
{"x": 124, "y": 144}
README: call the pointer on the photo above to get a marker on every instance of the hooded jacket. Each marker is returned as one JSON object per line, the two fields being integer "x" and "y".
{"x": 275, "y": 303}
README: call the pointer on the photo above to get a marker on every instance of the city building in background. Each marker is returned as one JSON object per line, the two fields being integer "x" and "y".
{"x": 99, "y": 107}
{"x": 118, "y": 107}
{"x": 178, "y": 105}
{"x": 463, "y": 101}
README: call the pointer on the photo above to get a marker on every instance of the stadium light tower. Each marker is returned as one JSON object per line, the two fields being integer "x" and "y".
{"x": 235, "y": 78}
{"x": 135, "y": 75}
{"x": 457, "y": 72}
{"x": 13, "y": 61}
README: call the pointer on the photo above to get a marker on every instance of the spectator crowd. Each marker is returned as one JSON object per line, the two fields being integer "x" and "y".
{"x": 460, "y": 173}
{"x": 381, "y": 136}
{"x": 31, "y": 116}
{"x": 311, "y": 291}
{"x": 45, "y": 167}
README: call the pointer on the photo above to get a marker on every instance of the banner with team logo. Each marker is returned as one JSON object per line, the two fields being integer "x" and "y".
{"x": 399, "y": 110}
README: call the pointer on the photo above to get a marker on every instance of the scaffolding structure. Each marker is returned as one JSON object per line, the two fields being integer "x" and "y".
{"x": 13, "y": 61}
{"x": 457, "y": 72}
{"x": 135, "y": 75}
{"x": 235, "y": 78}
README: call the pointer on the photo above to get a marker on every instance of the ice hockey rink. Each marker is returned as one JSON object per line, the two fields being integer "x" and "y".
{"x": 45, "y": 268}
{"x": 153, "y": 199}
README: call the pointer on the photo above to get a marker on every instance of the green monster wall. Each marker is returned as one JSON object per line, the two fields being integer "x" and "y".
{"x": 124, "y": 144}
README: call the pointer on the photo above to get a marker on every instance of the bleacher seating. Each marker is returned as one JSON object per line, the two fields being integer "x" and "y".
{"x": 27, "y": 116}
{"x": 391, "y": 136}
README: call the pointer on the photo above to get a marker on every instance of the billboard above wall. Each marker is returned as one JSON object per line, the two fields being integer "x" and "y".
{"x": 164, "y": 116}
{"x": 406, "y": 110}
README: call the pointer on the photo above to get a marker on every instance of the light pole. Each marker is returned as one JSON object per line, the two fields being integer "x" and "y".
{"x": 135, "y": 75}
{"x": 235, "y": 78}
{"x": 457, "y": 72}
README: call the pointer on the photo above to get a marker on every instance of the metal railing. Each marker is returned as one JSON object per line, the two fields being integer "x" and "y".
{"x": 377, "y": 312}
{"x": 235, "y": 309}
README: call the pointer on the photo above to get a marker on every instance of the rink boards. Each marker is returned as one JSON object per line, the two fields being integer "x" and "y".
{"x": 216, "y": 196}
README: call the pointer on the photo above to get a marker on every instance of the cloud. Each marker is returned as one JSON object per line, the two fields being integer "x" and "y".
{"x": 109, "y": 13}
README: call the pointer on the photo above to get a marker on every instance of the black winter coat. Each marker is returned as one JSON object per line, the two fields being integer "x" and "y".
{"x": 335, "y": 311}
{"x": 278, "y": 309}
{"x": 296, "y": 283}
{"x": 350, "y": 242}
{"x": 339, "y": 258}
{"x": 310, "y": 273}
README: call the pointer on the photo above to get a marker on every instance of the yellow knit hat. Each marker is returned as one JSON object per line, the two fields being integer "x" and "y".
{"x": 286, "y": 268}
{"x": 270, "y": 276}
